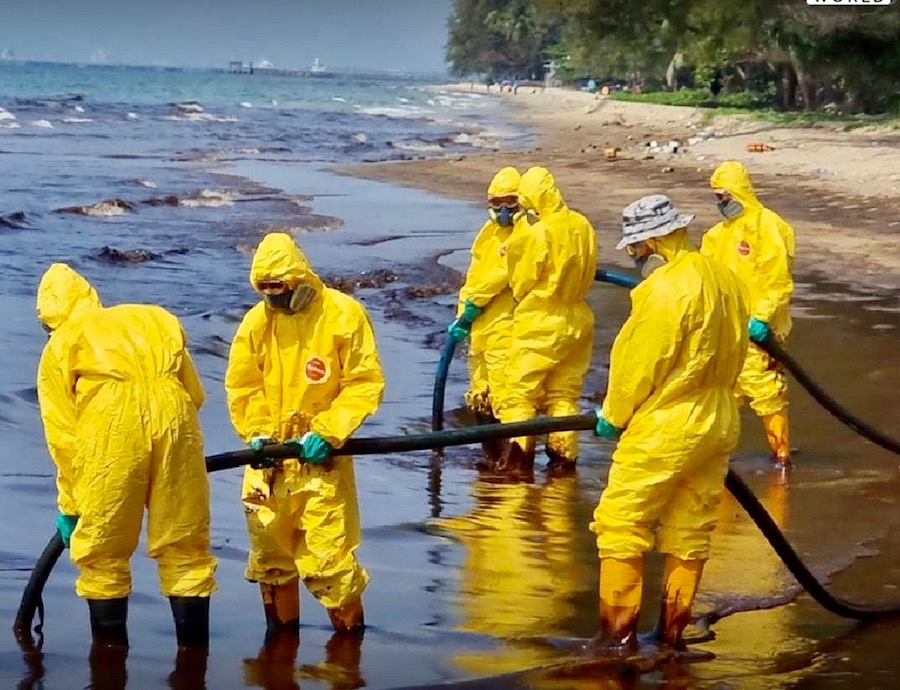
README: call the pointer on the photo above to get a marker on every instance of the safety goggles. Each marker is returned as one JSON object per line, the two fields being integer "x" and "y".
{"x": 272, "y": 287}
{"x": 637, "y": 249}
{"x": 505, "y": 201}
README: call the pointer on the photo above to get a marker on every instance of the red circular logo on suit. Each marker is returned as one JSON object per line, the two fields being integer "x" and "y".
{"x": 316, "y": 369}
{"x": 743, "y": 248}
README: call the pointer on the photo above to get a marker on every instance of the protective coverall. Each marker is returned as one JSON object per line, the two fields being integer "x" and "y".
{"x": 119, "y": 396}
{"x": 288, "y": 373}
{"x": 673, "y": 370}
{"x": 487, "y": 286}
{"x": 758, "y": 246}
{"x": 551, "y": 265}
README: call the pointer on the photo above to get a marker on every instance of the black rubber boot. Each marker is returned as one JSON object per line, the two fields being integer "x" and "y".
{"x": 109, "y": 622}
{"x": 191, "y": 616}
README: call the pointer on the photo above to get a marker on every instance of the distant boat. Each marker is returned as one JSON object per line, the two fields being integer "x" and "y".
{"x": 317, "y": 69}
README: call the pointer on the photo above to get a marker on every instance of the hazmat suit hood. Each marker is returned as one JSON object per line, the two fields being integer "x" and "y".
{"x": 538, "y": 192}
{"x": 279, "y": 258}
{"x": 505, "y": 182}
{"x": 735, "y": 177}
{"x": 62, "y": 294}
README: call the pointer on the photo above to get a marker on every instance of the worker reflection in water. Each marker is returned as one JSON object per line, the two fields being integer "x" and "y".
{"x": 523, "y": 574}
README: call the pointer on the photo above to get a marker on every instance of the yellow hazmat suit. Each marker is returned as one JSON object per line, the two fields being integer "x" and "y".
{"x": 314, "y": 370}
{"x": 119, "y": 396}
{"x": 673, "y": 369}
{"x": 758, "y": 246}
{"x": 487, "y": 286}
{"x": 551, "y": 266}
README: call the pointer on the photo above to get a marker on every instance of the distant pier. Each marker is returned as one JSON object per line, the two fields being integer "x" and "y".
{"x": 241, "y": 67}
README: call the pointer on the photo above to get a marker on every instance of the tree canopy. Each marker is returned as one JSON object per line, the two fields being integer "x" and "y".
{"x": 802, "y": 56}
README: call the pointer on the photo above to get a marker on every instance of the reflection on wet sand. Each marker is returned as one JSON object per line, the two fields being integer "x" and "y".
{"x": 521, "y": 575}
{"x": 275, "y": 667}
{"x": 756, "y": 626}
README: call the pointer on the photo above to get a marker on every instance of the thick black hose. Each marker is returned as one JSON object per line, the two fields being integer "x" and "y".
{"x": 786, "y": 553}
{"x": 31, "y": 597}
{"x": 406, "y": 443}
{"x": 830, "y": 404}
{"x": 440, "y": 384}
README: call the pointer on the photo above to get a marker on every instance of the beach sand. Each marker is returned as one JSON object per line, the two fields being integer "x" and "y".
{"x": 837, "y": 188}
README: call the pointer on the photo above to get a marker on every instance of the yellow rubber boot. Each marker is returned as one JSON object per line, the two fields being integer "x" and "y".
{"x": 680, "y": 582}
{"x": 621, "y": 585}
{"x": 776, "y": 426}
{"x": 349, "y": 617}
{"x": 282, "y": 605}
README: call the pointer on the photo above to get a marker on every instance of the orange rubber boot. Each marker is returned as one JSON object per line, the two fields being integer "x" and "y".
{"x": 680, "y": 583}
{"x": 776, "y": 426}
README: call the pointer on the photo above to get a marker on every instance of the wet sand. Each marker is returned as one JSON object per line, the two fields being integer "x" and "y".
{"x": 471, "y": 578}
{"x": 847, "y": 224}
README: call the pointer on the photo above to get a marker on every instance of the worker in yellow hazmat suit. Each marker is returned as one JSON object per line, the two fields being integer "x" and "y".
{"x": 551, "y": 259}
{"x": 303, "y": 370}
{"x": 671, "y": 404}
{"x": 485, "y": 300}
{"x": 119, "y": 396}
{"x": 758, "y": 246}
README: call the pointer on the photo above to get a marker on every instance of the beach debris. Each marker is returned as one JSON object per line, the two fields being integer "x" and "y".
{"x": 131, "y": 116}
{"x": 668, "y": 169}
{"x": 611, "y": 153}
{"x": 102, "y": 209}
{"x": 759, "y": 147}
{"x": 360, "y": 137}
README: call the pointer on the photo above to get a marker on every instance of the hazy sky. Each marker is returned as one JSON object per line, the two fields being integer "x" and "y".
{"x": 375, "y": 34}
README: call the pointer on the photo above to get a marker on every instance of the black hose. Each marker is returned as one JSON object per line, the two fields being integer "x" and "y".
{"x": 786, "y": 553}
{"x": 31, "y": 597}
{"x": 826, "y": 401}
{"x": 406, "y": 443}
{"x": 440, "y": 384}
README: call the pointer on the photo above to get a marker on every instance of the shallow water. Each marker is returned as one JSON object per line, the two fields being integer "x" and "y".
{"x": 471, "y": 578}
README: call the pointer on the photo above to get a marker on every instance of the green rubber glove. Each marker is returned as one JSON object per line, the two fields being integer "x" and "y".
{"x": 461, "y": 328}
{"x": 313, "y": 447}
{"x": 471, "y": 311}
{"x": 604, "y": 428}
{"x": 65, "y": 525}
{"x": 759, "y": 331}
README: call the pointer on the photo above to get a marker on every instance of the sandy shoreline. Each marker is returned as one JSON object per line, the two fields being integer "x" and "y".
{"x": 837, "y": 188}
